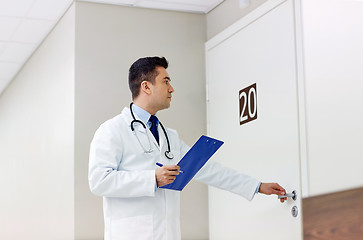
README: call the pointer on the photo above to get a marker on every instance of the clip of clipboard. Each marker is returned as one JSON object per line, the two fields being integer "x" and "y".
{"x": 194, "y": 160}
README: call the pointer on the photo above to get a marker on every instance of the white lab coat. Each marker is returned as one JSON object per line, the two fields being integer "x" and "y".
{"x": 120, "y": 171}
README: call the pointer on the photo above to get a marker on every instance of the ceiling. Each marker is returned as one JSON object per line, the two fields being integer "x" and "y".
{"x": 24, "y": 24}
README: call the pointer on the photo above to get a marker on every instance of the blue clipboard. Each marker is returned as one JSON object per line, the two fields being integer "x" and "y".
{"x": 194, "y": 160}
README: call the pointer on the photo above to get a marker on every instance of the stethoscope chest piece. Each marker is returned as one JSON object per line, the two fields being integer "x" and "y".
{"x": 169, "y": 155}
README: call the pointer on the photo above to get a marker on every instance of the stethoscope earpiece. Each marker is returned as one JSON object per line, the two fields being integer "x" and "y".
{"x": 168, "y": 153}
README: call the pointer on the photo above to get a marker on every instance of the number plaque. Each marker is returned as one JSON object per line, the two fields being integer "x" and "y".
{"x": 248, "y": 104}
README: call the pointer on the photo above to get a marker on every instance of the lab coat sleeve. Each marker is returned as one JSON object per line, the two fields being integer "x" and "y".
{"x": 104, "y": 179}
{"x": 219, "y": 176}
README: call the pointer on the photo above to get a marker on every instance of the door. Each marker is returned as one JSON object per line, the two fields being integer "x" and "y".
{"x": 252, "y": 105}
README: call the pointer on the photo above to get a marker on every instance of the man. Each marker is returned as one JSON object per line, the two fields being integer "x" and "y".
{"x": 123, "y": 157}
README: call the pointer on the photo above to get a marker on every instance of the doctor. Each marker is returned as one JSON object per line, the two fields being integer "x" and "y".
{"x": 123, "y": 157}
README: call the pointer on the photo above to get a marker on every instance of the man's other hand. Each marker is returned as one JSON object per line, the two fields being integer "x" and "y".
{"x": 272, "y": 188}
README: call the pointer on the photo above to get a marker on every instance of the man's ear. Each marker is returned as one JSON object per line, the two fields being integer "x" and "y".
{"x": 145, "y": 87}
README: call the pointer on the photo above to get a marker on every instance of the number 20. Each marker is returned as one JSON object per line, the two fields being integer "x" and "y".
{"x": 248, "y": 104}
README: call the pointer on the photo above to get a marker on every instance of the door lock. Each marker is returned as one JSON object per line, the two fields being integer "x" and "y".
{"x": 294, "y": 211}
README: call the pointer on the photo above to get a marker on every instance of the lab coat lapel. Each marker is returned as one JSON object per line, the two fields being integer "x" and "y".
{"x": 153, "y": 138}
{"x": 145, "y": 133}
{"x": 142, "y": 133}
{"x": 137, "y": 126}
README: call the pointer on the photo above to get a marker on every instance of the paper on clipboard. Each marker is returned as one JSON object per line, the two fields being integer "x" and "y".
{"x": 194, "y": 160}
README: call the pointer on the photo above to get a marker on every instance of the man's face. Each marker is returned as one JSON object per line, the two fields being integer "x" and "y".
{"x": 161, "y": 89}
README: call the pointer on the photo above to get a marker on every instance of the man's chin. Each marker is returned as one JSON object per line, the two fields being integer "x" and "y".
{"x": 166, "y": 106}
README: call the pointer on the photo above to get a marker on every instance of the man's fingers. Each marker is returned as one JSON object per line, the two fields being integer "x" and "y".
{"x": 277, "y": 192}
{"x": 279, "y": 188}
{"x": 166, "y": 174}
{"x": 171, "y": 167}
{"x": 273, "y": 188}
{"x": 173, "y": 172}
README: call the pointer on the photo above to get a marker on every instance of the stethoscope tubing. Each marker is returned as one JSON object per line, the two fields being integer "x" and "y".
{"x": 168, "y": 153}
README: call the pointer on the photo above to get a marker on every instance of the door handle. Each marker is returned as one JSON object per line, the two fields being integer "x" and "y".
{"x": 293, "y": 195}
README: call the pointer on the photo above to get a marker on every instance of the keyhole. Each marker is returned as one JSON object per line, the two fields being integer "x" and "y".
{"x": 294, "y": 211}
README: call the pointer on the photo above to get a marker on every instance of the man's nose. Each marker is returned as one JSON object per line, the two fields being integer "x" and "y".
{"x": 171, "y": 89}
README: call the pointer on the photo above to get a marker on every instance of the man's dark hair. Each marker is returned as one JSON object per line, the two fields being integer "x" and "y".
{"x": 144, "y": 70}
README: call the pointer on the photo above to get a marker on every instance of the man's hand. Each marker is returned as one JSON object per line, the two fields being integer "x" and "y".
{"x": 272, "y": 188}
{"x": 166, "y": 174}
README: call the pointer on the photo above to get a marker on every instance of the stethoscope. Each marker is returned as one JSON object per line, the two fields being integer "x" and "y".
{"x": 168, "y": 153}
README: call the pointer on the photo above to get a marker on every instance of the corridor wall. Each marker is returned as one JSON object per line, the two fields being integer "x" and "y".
{"x": 37, "y": 142}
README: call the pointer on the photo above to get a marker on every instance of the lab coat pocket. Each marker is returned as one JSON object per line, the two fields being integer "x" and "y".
{"x": 132, "y": 228}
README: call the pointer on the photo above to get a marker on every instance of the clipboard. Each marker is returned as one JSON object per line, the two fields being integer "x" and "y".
{"x": 194, "y": 160}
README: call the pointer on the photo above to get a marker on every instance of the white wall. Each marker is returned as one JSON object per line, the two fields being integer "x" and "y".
{"x": 333, "y": 39}
{"x": 36, "y": 143}
{"x": 108, "y": 40}
{"x": 227, "y": 13}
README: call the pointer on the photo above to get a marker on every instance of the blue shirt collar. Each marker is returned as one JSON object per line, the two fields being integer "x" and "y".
{"x": 142, "y": 114}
